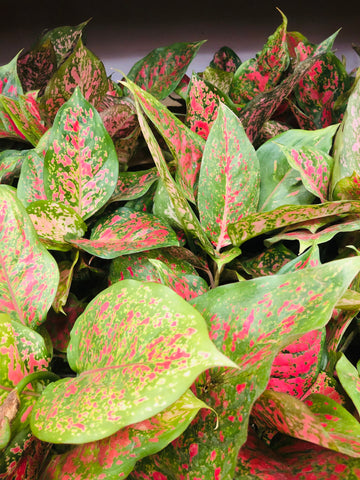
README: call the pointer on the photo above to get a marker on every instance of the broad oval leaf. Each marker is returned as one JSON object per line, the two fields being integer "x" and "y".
{"x": 28, "y": 273}
{"x": 229, "y": 179}
{"x": 52, "y": 221}
{"x": 81, "y": 166}
{"x": 136, "y": 348}
{"x": 162, "y": 69}
{"x": 115, "y": 456}
{"x": 126, "y": 231}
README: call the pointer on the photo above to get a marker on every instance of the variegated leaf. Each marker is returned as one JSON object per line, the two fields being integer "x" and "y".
{"x": 116, "y": 455}
{"x": 161, "y": 70}
{"x": 150, "y": 346}
{"x": 36, "y": 66}
{"x": 229, "y": 179}
{"x": 28, "y": 273}
{"x": 125, "y": 231}
{"x": 81, "y": 165}
{"x": 10, "y": 164}
{"x": 225, "y": 59}
{"x": 10, "y": 85}
{"x": 349, "y": 379}
{"x": 82, "y": 70}
{"x": 133, "y": 185}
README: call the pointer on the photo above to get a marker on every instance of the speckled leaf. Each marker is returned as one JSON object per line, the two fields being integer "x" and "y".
{"x": 133, "y": 185}
{"x": 161, "y": 70}
{"x": 320, "y": 87}
{"x": 349, "y": 379}
{"x": 188, "y": 286}
{"x": 139, "y": 267}
{"x": 346, "y": 144}
{"x": 10, "y": 164}
{"x": 259, "y": 223}
{"x": 220, "y": 80}
{"x": 315, "y": 168}
{"x": 297, "y": 366}
{"x": 30, "y": 464}
{"x": 81, "y": 165}
{"x": 310, "y": 258}
{"x": 190, "y": 222}
{"x": 335, "y": 330}
{"x": 268, "y": 262}
{"x": 185, "y": 145}
{"x": 318, "y": 419}
{"x": 262, "y": 73}
{"x": 163, "y": 207}
{"x": 150, "y": 345}
{"x": 126, "y": 231}
{"x": 64, "y": 39}
{"x": 229, "y": 180}
{"x": 36, "y": 66}
{"x": 225, "y": 59}
{"x": 348, "y": 188}
{"x": 30, "y": 186}
{"x": 115, "y": 456}
{"x": 264, "y": 105}
{"x": 52, "y": 221}
{"x": 24, "y": 113}
{"x": 28, "y": 273}
{"x": 10, "y": 84}
{"x": 83, "y": 70}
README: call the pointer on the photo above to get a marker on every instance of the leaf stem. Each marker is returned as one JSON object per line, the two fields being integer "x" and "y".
{"x": 36, "y": 376}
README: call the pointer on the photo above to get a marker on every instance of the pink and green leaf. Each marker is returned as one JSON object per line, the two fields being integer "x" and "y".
{"x": 229, "y": 180}
{"x": 10, "y": 85}
{"x": 30, "y": 186}
{"x": 81, "y": 165}
{"x": 349, "y": 379}
{"x": 29, "y": 274}
{"x": 268, "y": 262}
{"x": 259, "y": 223}
{"x": 225, "y": 59}
{"x": 52, "y": 221}
{"x": 184, "y": 144}
{"x": 133, "y": 185}
{"x": 150, "y": 346}
{"x": 116, "y": 455}
{"x": 11, "y": 162}
{"x": 160, "y": 72}
{"x": 82, "y": 70}
{"x": 262, "y": 73}
{"x": 36, "y": 66}
{"x": 123, "y": 232}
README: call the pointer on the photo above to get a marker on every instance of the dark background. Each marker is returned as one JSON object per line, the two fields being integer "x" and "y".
{"x": 122, "y": 32}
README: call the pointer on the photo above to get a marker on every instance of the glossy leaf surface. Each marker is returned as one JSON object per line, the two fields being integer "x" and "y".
{"x": 349, "y": 379}
{"x": 126, "y": 231}
{"x": 161, "y": 70}
{"x": 81, "y": 166}
{"x": 28, "y": 275}
{"x": 150, "y": 346}
{"x": 229, "y": 177}
{"x": 115, "y": 456}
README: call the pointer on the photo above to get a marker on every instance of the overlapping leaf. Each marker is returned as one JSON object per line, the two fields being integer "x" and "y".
{"x": 225, "y": 59}
{"x": 185, "y": 145}
{"x": 28, "y": 273}
{"x": 132, "y": 185}
{"x": 161, "y": 70}
{"x": 115, "y": 456}
{"x": 349, "y": 379}
{"x": 10, "y": 165}
{"x": 150, "y": 346}
{"x": 10, "y": 85}
{"x": 229, "y": 179}
{"x": 125, "y": 231}
{"x": 81, "y": 166}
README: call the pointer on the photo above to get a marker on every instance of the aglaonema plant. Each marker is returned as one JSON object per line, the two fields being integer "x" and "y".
{"x": 179, "y": 264}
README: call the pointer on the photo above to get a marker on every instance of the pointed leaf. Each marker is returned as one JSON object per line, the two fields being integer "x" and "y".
{"x": 349, "y": 379}
{"x": 259, "y": 223}
{"x": 81, "y": 166}
{"x": 66, "y": 269}
{"x": 133, "y": 185}
{"x": 161, "y": 70}
{"x": 52, "y": 221}
{"x": 185, "y": 145}
{"x": 225, "y": 59}
{"x": 125, "y": 231}
{"x": 28, "y": 273}
{"x": 150, "y": 346}
{"x": 10, "y": 84}
{"x": 36, "y": 66}
{"x": 116, "y": 456}
{"x": 10, "y": 164}
{"x": 229, "y": 178}
{"x": 83, "y": 70}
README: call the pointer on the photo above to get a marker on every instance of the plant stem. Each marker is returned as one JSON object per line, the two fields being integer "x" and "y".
{"x": 36, "y": 376}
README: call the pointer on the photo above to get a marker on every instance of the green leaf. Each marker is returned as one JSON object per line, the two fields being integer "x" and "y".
{"x": 10, "y": 84}
{"x": 10, "y": 164}
{"x": 81, "y": 165}
{"x": 184, "y": 144}
{"x": 229, "y": 179}
{"x": 28, "y": 275}
{"x": 161, "y": 70}
{"x": 349, "y": 379}
{"x": 150, "y": 345}
{"x": 52, "y": 221}
{"x": 133, "y": 185}
{"x": 115, "y": 456}
{"x": 259, "y": 223}
{"x": 125, "y": 231}
{"x": 82, "y": 70}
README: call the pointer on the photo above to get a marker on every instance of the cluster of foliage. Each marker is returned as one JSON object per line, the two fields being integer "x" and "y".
{"x": 179, "y": 264}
